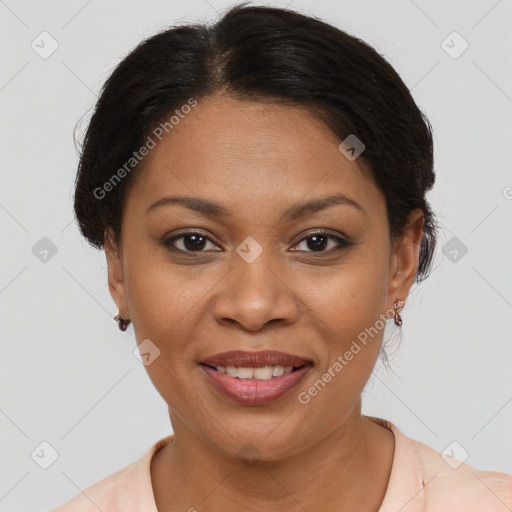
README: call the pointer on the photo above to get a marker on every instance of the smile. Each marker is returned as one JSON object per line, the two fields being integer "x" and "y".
{"x": 255, "y": 386}
{"x": 261, "y": 373}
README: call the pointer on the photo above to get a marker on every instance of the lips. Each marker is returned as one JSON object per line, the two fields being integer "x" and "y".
{"x": 240, "y": 358}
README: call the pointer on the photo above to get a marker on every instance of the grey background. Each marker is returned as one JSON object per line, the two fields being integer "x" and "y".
{"x": 69, "y": 376}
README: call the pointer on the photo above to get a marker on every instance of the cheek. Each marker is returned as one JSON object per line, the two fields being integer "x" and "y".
{"x": 164, "y": 308}
{"x": 351, "y": 353}
{"x": 351, "y": 297}
{"x": 350, "y": 311}
{"x": 162, "y": 298}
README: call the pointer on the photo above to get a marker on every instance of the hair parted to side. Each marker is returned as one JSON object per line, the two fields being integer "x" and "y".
{"x": 266, "y": 54}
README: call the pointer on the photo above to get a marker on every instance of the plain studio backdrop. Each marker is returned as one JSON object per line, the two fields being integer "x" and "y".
{"x": 71, "y": 386}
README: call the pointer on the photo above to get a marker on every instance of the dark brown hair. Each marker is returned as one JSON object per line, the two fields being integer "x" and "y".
{"x": 260, "y": 54}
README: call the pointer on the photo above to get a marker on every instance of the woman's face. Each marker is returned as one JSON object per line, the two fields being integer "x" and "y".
{"x": 258, "y": 279}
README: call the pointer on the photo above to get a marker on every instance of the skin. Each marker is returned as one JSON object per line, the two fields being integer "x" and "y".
{"x": 258, "y": 159}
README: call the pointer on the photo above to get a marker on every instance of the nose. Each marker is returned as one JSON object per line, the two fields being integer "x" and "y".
{"x": 255, "y": 294}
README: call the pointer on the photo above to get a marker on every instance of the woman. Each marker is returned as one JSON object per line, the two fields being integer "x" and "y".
{"x": 259, "y": 189}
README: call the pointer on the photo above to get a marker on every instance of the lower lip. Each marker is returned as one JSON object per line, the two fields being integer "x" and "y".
{"x": 254, "y": 391}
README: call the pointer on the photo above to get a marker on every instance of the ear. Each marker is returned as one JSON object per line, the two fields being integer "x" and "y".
{"x": 405, "y": 258}
{"x": 116, "y": 282}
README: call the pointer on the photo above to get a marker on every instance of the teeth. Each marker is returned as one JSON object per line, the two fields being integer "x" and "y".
{"x": 277, "y": 371}
{"x": 262, "y": 373}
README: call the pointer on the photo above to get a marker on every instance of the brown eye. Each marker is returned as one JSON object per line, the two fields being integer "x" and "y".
{"x": 319, "y": 242}
{"x": 189, "y": 242}
{"x": 196, "y": 242}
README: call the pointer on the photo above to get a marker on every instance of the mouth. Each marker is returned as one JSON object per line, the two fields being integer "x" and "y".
{"x": 255, "y": 378}
{"x": 261, "y": 359}
{"x": 258, "y": 373}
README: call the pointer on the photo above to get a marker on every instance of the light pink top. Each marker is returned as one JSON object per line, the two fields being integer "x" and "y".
{"x": 420, "y": 481}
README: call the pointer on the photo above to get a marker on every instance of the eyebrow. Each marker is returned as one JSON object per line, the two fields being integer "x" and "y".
{"x": 210, "y": 208}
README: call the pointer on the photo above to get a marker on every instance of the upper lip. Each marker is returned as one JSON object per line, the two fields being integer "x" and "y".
{"x": 240, "y": 358}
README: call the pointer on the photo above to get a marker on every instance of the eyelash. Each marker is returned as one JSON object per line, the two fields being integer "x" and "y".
{"x": 342, "y": 243}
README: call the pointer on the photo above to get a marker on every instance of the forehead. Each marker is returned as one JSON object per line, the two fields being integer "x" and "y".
{"x": 248, "y": 151}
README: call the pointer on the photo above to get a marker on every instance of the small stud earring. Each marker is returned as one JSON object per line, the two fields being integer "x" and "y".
{"x": 397, "y": 306}
{"x": 123, "y": 323}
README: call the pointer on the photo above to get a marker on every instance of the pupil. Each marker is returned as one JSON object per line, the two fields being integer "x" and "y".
{"x": 199, "y": 239}
{"x": 317, "y": 245}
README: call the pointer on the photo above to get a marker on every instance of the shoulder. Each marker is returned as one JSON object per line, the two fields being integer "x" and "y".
{"x": 127, "y": 490}
{"x": 101, "y": 495}
{"x": 451, "y": 482}
{"x": 425, "y": 480}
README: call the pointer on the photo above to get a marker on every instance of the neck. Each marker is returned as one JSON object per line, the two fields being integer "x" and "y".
{"x": 349, "y": 467}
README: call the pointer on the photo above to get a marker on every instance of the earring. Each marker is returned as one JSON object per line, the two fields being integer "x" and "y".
{"x": 123, "y": 323}
{"x": 397, "y": 306}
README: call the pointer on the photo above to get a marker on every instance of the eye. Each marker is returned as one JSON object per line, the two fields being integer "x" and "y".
{"x": 191, "y": 241}
{"x": 319, "y": 242}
